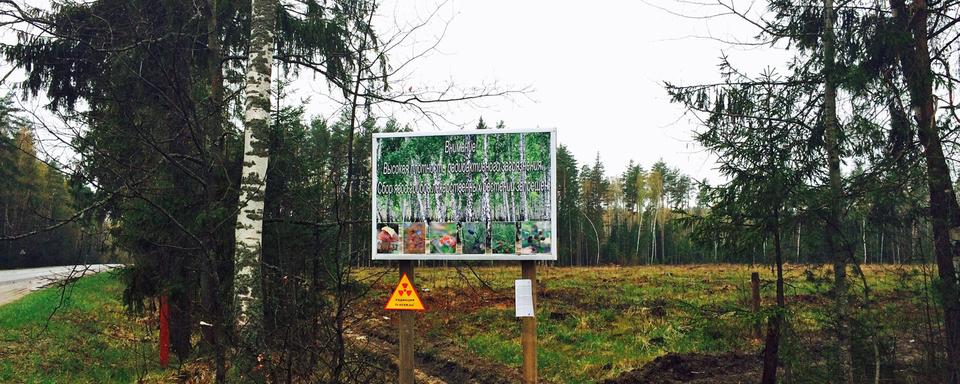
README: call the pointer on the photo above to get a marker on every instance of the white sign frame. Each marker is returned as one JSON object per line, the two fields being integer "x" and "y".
{"x": 554, "y": 244}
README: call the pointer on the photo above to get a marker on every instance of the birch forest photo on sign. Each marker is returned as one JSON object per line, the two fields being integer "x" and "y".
{"x": 464, "y": 196}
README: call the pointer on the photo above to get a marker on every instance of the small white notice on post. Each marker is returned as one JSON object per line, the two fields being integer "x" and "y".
{"x": 524, "y": 298}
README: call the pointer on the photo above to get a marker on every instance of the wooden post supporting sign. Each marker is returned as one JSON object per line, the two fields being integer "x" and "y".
{"x": 528, "y": 328}
{"x": 406, "y": 332}
{"x": 401, "y": 232}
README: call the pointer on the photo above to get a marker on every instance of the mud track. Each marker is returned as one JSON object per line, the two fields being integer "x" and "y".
{"x": 697, "y": 368}
{"x": 436, "y": 362}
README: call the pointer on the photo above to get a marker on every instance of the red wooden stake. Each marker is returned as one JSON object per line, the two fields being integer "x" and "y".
{"x": 164, "y": 332}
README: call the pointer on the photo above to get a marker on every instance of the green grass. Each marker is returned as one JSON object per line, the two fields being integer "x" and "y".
{"x": 89, "y": 339}
{"x": 593, "y": 323}
{"x": 596, "y": 323}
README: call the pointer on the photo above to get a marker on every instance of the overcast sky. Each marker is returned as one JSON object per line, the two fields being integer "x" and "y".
{"x": 595, "y": 70}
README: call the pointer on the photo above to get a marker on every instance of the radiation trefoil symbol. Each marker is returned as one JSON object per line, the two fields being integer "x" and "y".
{"x": 404, "y": 297}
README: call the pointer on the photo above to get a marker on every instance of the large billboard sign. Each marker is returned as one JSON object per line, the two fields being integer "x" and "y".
{"x": 467, "y": 195}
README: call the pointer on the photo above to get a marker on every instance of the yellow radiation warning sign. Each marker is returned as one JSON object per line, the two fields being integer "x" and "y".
{"x": 404, "y": 297}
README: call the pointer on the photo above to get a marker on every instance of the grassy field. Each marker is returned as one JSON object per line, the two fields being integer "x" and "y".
{"x": 596, "y": 323}
{"x": 88, "y": 339}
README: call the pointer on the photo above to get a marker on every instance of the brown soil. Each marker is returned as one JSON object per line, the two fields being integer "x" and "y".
{"x": 440, "y": 361}
{"x": 727, "y": 368}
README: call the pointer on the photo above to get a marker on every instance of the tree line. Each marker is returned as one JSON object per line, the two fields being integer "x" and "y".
{"x": 662, "y": 216}
{"x": 39, "y": 204}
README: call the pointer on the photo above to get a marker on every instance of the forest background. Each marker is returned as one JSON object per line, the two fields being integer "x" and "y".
{"x": 844, "y": 158}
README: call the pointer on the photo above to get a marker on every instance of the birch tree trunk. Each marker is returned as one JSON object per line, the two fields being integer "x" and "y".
{"x": 470, "y": 199}
{"x": 253, "y": 177}
{"x": 428, "y": 214}
{"x": 438, "y": 209}
{"x": 420, "y": 204}
{"x": 523, "y": 177}
{"x": 662, "y": 217}
{"x": 639, "y": 230}
{"x": 653, "y": 237}
{"x": 654, "y": 218}
{"x": 486, "y": 197}
{"x": 663, "y": 239}
{"x": 799, "y": 224}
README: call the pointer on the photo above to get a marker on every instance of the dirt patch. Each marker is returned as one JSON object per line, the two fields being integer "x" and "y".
{"x": 443, "y": 359}
{"x": 727, "y": 368}
{"x": 457, "y": 366}
{"x": 806, "y": 299}
{"x": 467, "y": 300}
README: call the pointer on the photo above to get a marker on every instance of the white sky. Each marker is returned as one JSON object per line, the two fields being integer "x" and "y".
{"x": 595, "y": 69}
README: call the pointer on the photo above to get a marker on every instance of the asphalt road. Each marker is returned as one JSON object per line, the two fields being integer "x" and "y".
{"x": 15, "y": 283}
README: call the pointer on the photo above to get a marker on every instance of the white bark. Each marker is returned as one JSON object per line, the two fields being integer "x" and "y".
{"x": 798, "y": 242}
{"x": 523, "y": 177}
{"x": 255, "y": 158}
{"x": 420, "y": 198}
{"x": 653, "y": 231}
{"x": 639, "y": 229}
{"x": 438, "y": 209}
{"x": 486, "y": 194}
